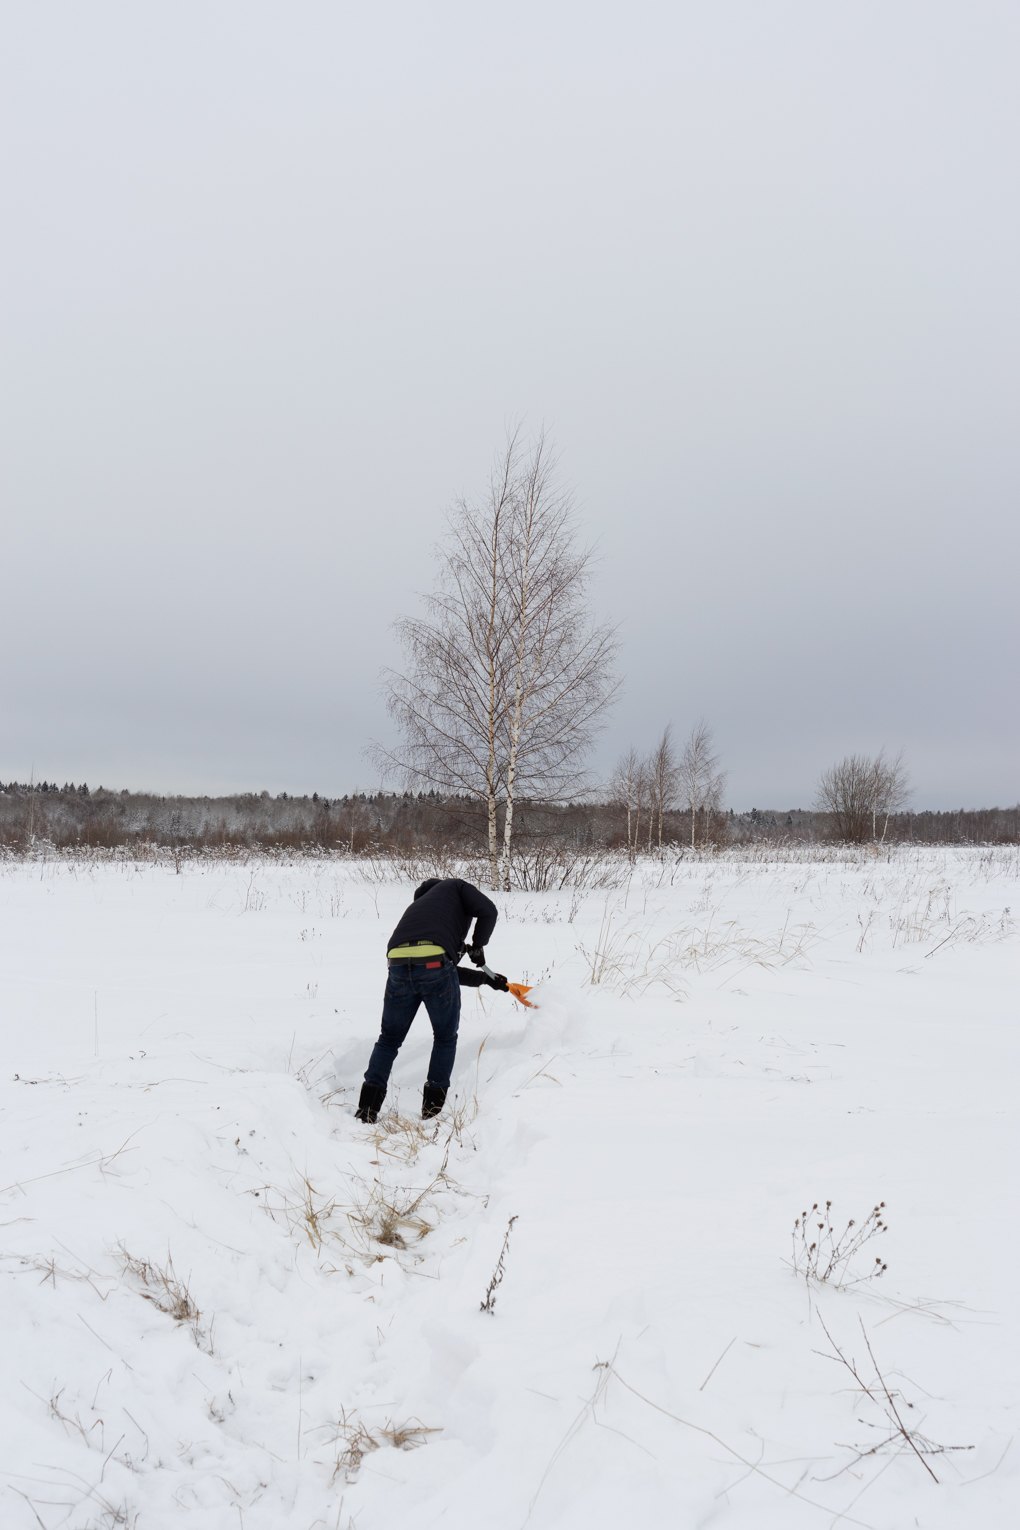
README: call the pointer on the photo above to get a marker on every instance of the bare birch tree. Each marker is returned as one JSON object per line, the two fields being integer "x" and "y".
{"x": 663, "y": 779}
{"x": 699, "y": 778}
{"x": 641, "y": 785}
{"x": 628, "y": 786}
{"x": 622, "y": 784}
{"x": 891, "y": 790}
{"x": 506, "y": 676}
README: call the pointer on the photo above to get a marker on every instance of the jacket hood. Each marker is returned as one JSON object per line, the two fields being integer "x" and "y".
{"x": 426, "y": 886}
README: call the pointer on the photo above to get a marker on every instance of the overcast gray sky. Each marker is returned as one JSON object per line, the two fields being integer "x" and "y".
{"x": 275, "y": 279}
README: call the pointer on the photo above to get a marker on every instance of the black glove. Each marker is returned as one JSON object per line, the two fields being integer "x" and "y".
{"x": 476, "y": 954}
{"x": 499, "y": 982}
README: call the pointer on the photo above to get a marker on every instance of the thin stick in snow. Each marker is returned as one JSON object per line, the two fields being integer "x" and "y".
{"x": 717, "y": 1364}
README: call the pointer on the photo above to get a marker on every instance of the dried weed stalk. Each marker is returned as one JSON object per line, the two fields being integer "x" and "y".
{"x": 313, "y": 1213}
{"x": 821, "y": 1253}
{"x": 489, "y": 1302}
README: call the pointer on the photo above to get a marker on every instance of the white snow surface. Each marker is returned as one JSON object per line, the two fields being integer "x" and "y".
{"x": 183, "y": 1051}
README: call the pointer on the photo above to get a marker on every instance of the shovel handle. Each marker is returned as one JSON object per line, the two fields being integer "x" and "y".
{"x": 519, "y": 990}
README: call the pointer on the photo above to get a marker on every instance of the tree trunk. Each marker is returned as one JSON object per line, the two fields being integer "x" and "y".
{"x": 508, "y": 826}
{"x": 511, "y": 777}
{"x": 493, "y": 840}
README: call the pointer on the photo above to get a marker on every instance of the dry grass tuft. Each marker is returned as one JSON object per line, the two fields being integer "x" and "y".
{"x": 405, "y": 1138}
{"x": 392, "y": 1218}
{"x": 355, "y": 1440}
{"x": 164, "y": 1289}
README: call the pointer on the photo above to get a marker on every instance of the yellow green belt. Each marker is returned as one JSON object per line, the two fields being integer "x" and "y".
{"x": 420, "y": 948}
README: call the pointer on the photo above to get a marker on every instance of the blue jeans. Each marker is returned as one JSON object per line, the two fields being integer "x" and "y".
{"x": 408, "y": 986}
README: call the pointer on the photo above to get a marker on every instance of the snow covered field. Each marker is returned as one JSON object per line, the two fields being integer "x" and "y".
{"x": 228, "y": 1304}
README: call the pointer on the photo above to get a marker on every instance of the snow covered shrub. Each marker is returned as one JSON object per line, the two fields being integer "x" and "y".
{"x": 822, "y": 1254}
{"x": 547, "y": 867}
{"x": 411, "y": 867}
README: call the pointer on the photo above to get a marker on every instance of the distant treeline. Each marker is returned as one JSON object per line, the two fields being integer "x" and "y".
{"x": 381, "y": 822}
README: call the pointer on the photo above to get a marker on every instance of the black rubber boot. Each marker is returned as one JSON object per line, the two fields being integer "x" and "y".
{"x": 370, "y": 1103}
{"x": 432, "y": 1101}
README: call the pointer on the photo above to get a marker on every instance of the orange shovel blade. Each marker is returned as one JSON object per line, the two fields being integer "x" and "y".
{"x": 520, "y": 992}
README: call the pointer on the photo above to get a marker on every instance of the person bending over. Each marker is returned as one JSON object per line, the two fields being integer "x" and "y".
{"x": 422, "y": 955}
